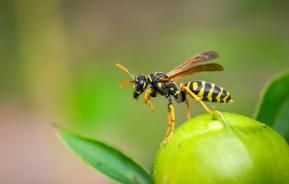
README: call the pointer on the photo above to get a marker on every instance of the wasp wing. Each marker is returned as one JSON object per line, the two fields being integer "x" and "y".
{"x": 188, "y": 66}
{"x": 189, "y": 63}
{"x": 200, "y": 68}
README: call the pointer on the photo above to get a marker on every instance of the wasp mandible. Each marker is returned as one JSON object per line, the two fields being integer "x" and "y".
{"x": 164, "y": 84}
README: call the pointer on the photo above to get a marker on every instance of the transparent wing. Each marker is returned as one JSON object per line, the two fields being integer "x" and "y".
{"x": 188, "y": 67}
{"x": 200, "y": 68}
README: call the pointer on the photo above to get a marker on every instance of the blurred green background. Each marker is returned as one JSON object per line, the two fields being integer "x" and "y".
{"x": 57, "y": 66}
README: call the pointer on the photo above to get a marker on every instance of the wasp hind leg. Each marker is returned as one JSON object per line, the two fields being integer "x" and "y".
{"x": 188, "y": 108}
{"x": 194, "y": 96}
{"x": 147, "y": 97}
{"x": 171, "y": 122}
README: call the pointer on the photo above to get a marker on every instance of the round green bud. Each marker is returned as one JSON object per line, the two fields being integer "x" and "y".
{"x": 229, "y": 149}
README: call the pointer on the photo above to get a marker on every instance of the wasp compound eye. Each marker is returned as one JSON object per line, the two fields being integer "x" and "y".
{"x": 140, "y": 83}
{"x": 141, "y": 78}
{"x": 138, "y": 86}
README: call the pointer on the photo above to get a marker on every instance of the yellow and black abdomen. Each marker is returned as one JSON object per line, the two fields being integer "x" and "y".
{"x": 209, "y": 92}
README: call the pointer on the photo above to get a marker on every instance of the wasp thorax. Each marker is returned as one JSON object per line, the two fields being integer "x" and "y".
{"x": 139, "y": 85}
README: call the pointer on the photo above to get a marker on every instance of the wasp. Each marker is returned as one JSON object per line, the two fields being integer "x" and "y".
{"x": 164, "y": 84}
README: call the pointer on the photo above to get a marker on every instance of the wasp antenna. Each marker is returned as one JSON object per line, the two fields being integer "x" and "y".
{"x": 123, "y": 83}
{"x": 124, "y": 69}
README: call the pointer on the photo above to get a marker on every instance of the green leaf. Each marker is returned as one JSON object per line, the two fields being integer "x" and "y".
{"x": 105, "y": 159}
{"x": 273, "y": 107}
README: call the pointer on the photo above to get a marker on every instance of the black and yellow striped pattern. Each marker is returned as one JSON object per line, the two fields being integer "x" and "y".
{"x": 209, "y": 92}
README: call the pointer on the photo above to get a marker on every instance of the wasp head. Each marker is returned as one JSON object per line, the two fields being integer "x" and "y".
{"x": 140, "y": 85}
{"x": 140, "y": 81}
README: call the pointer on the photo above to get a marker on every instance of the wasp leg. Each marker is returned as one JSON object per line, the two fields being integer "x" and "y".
{"x": 147, "y": 99}
{"x": 187, "y": 90}
{"x": 188, "y": 108}
{"x": 171, "y": 123}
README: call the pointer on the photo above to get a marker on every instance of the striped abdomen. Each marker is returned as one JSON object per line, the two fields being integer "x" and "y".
{"x": 209, "y": 92}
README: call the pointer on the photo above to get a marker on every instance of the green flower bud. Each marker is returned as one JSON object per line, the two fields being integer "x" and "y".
{"x": 233, "y": 149}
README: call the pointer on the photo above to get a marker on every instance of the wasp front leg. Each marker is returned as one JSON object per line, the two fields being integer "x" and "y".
{"x": 171, "y": 122}
{"x": 147, "y": 97}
